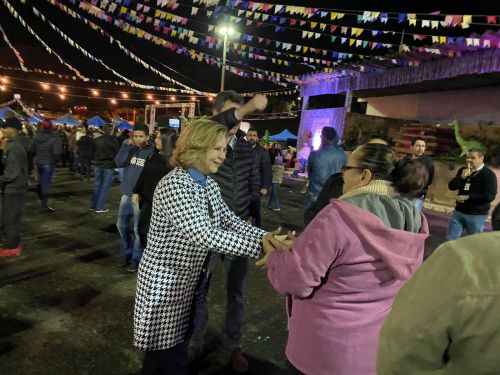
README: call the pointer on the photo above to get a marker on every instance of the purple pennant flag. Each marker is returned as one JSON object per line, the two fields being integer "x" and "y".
{"x": 282, "y": 20}
{"x": 126, "y": 2}
{"x": 402, "y": 17}
{"x": 384, "y": 17}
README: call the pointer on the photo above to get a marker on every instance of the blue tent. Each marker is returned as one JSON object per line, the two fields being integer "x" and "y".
{"x": 124, "y": 125}
{"x": 35, "y": 119}
{"x": 66, "y": 119}
{"x": 284, "y": 136}
{"x": 4, "y": 110}
{"x": 96, "y": 121}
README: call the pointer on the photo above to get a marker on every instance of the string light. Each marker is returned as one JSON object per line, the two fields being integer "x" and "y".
{"x": 172, "y": 98}
{"x": 157, "y": 102}
{"x": 45, "y": 86}
{"x": 62, "y": 88}
{"x": 149, "y": 96}
{"x": 4, "y": 80}
{"x": 210, "y": 99}
{"x": 193, "y": 98}
{"x": 95, "y": 92}
{"x": 113, "y": 101}
{"x": 124, "y": 95}
{"x": 62, "y": 96}
{"x": 3, "y": 88}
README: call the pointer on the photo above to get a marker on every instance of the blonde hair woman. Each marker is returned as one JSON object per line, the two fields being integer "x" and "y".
{"x": 189, "y": 221}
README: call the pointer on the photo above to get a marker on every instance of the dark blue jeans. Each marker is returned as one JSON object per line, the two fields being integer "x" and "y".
{"x": 274, "y": 198}
{"x": 103, "y": 180}
{"x": 128, "y": 216}
{"x": 45, "y": 172}
{"x": 459, "y": 221}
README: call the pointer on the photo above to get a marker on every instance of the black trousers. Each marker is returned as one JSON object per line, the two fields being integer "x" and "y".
{"x": 255, "y": 212}
{"x": 12, "y": 209}
{"x": 171, "y": 361}
{"x": 144, "y": 220}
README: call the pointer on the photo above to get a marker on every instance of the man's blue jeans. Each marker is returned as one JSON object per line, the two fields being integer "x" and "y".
{"x": 458, "y": 221}
{"x": 45, "y": 172}
{"x": 103, "y": 180}
{"x": 128, "y": 214}
{"x": 274, "y": 197}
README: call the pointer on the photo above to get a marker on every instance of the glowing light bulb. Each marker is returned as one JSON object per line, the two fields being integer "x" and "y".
{"x": 149, "y": 96}
{"x": 113, "y": 101}
{"x": 124, "y": 95}
{"x": 95, "y": 92}
{"x": 172, "y": 98}
{"x": 62, "y": 96}
{"x": 62, "y": 88}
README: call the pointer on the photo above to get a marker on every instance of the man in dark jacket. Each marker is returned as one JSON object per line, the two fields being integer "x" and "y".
{"x": 85, "y": 153}
{"x": 13, "y": 183}
{"x": 477, "y": 188}
{"x": 418, "y": 146}
{"x": 132, "y": 157}
{"x": 264, "y": 171}
{"x": 47, "y": 151}
{"x": 105, "y": 150}
{"x": 239, "y": 184}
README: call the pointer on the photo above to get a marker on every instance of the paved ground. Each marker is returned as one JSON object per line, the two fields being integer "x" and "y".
{"x": 65, "y": 308}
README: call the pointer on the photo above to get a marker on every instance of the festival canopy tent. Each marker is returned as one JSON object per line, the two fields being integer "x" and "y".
{"x": 124, "y": 125}
{"x": 66, "y": 119}
{"x": 96, "y": 121}
{"x": 4, "y": 110}
{"x": 285, "y": 135}
{"x": 35, "y": 119}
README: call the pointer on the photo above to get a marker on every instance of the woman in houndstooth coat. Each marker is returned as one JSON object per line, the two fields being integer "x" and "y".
{"x": 189, "y": 220}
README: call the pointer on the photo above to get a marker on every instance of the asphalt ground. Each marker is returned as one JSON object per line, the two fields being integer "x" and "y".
{"x": 66, "y": 308}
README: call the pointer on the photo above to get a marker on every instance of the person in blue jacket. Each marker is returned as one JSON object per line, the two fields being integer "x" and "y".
{"x": 132, "y": 157}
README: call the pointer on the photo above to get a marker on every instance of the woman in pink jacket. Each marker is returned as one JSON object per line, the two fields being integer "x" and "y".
{"x": 341, "y": 275}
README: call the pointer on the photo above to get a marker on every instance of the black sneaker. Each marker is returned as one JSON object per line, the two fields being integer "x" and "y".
{"x": 134, "y": 266}
{"x": 125, "y": 261}
{"x": 47, "y": 209}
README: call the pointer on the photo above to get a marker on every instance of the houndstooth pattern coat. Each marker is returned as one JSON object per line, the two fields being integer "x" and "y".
{"x": 180, "y": 236}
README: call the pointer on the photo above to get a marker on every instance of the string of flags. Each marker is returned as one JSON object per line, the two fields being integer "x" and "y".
{"x": 444, "y": 20}
{"x": 111, "y": 40}
{"x": 16, "y": 52}
{"x": 242, "y": 49}
{"x": 93, "y": 80}
{"x": 354, "y": 32}
{"x": 260, "y": 74}
{"x": 47, "y": 48}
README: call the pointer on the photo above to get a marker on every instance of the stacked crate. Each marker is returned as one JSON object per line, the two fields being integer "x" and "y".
{"x": 439, "y": 139}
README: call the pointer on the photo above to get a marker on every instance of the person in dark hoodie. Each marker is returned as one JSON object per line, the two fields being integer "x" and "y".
{"x": 13, "y": 183}
{"x": 157, "y": 166}
{"x": 342, "y": 273}
{"x": 131, "y": 157}
{"x": 105, "y": 149}
{"x": 238, "y": 180}
{"x": 85, "y": 153}
{"x": 46, "y": 151}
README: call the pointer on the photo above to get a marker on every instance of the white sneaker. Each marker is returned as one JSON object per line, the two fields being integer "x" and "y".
{"x": 101, "y": 211}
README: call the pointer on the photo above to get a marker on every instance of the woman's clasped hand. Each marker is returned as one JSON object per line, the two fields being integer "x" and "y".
{"x": 272, "y": 241}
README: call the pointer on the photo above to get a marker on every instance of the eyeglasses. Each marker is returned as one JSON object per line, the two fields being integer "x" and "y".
{"x": 348, "y": 167}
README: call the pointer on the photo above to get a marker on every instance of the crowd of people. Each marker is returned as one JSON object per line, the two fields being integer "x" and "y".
{"x": 190, "y": 202}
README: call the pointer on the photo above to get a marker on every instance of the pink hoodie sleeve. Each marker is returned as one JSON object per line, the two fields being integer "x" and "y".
{"x": 299, "y": 270}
